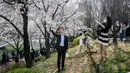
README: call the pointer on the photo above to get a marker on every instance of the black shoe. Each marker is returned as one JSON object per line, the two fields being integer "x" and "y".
{"x": 63, "y": 69}
{"x": 59, "y": 70}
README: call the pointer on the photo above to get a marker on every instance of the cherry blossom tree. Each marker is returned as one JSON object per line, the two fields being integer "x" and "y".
{"x": 14, "y": 9}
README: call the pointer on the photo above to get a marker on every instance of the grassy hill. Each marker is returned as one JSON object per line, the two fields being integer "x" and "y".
{"x": 81, "y": 63}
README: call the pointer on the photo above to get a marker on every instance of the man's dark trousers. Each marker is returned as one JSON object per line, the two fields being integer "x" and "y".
{"x": 61, "y": 56}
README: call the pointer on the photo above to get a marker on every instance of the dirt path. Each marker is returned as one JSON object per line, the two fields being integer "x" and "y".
{"x": 79, "y": 63}
{"x": 11, "y": 62}
{"x": 7, "y": 65}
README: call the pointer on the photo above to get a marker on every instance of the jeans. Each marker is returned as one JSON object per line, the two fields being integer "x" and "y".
{"x": 121, "y": 36}
{"x": 124, "y": 34}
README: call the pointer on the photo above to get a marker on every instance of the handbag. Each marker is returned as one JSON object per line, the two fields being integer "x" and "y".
{"x": 67, "y": 54}
{"x": 99, "y": 29}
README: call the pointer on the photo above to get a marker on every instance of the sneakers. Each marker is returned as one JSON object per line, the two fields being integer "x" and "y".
{"x": 124, "y": 39}
{"x": 63, "y": 69}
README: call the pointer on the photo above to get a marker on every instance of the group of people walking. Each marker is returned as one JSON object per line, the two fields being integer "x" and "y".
{"x": 124, "y": 30}
{"x": 5, "y": 58}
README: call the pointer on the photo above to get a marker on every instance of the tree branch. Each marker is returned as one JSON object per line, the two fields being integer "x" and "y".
{"x": 44, "y": 25}
{"x": 39, "y": 28}
{"x": 10, "y": 44}
{"x": 12, "y": 25}
{"x": 36, "y": 6}
{"x": 1, "y": 2}
{"x": 8, "y": 2}
{"x": 32, "y": 34}
{"x": 53, "y": 16}
{"x": 20, "y": 46}
{"x": 15, "y": 41}
{"x": 68, "y": 17}
{"x": 45, "y": 8}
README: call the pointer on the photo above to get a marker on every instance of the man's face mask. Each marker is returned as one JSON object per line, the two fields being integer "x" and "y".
{"x": 104, "y": 21}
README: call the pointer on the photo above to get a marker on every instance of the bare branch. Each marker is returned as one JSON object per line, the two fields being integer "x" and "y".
{"x": 1, "y": 2}
{"x": 45, "y": 9}
{"x": 36, "y": 6}
{"x": 39, "y": 28}
{"x": 12, "y": 24}
{"x": 10, "y": 44}
{"x": 32, "y": 34}
{"x": 20, "y": 46}
{"x": 44, "y": 25}
{"x": 69, "y": 17}
{"x": 15, "y": 41}
{"x": 18, "y": 40}
{"x": 8, "y": 2}
{"x": 53, "y": 16}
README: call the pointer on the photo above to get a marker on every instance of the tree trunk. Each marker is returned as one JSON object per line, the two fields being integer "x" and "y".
{"x": 47, "y": 41}
{"x": 40, "y": 44}
{"x": 47, "y": 48}
{"x": 114, "y": 29}
{"x": 27, "y": 54}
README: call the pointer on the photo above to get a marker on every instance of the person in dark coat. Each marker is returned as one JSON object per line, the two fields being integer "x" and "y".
{"x": 4, "y": 58}
{"x": 13, "y": 55}
{"x": 32, "y": 53}
{"x": 21, "y": 54}
{"x": 124, "y": 27}
{"x": 128, "y": 31}
{"x": 42, "y": 51}
{"x": 16, "y": 59}
{"x": 62, "y": 47}
{"x": 7, "y": 58}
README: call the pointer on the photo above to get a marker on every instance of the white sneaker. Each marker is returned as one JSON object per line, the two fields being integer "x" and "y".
{"x": 124, "y": 39}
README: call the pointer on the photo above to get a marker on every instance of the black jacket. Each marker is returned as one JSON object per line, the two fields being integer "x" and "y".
{"x": 59, "y": 40}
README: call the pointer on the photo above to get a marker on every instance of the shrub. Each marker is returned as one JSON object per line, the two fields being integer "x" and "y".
{"x": 75, "y": 42}
{"x": 22, "y": 70}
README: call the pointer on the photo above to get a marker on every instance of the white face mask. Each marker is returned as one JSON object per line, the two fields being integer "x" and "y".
{"x": 117, "y": 23}
{"x": 104, "y": 21}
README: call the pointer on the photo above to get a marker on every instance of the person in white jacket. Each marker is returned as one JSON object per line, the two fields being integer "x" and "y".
{"x": 80, "y": 43}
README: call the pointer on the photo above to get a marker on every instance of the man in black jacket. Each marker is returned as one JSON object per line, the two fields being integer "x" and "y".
{"x": 62, "y": 47}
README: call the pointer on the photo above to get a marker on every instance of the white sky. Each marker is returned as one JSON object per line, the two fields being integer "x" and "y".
{"x": 75, "y": 1}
